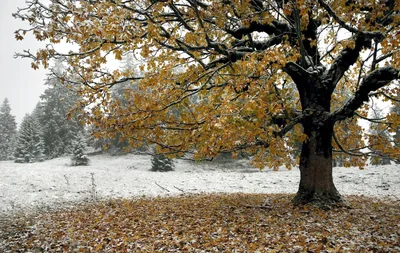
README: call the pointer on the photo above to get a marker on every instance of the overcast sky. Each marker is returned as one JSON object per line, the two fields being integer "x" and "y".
{"x": 19, "y": 82}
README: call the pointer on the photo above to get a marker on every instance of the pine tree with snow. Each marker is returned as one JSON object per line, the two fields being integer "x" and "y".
{"x": 29, "y": 144}
{"x": 159, "y": 162}
{"x": 56, "y": 102}
{"x": 8, "y": 131}
{"x": 79, "y": 157}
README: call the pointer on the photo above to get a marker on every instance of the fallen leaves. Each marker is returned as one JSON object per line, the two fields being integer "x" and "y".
{"x": 208, "y": 223}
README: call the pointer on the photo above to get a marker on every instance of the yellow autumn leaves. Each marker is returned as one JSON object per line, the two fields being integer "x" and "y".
{"x": 213, "y": 223}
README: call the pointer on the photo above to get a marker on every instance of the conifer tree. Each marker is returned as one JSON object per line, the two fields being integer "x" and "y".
{"x": 78, "y": 156}
{"x": 8, "y": 130}
{"x": 159, "y": 162}
{"x": 29, "y": 144}
{"x": 56, "y": 102}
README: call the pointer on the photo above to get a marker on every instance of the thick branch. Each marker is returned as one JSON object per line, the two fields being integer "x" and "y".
{"x": 290, "y": 125}
{"x": 275, "y": 27}
{"x": 375, "y": 80}
{"x": 346, "y": 58}
{"x": 297, "y": 73}
{"x": 258, "y": 45}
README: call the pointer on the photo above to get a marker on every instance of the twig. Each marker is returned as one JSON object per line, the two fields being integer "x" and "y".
{"x": 165, "y": 189}
{"x": 261, "y": 207}
{"x": 179, "y": 189}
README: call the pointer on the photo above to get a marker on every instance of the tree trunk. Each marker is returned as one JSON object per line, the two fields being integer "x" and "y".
{"x": 316, "y": 181}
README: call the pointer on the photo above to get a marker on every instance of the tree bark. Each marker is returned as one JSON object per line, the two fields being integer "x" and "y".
{"x": 316, "y": 180}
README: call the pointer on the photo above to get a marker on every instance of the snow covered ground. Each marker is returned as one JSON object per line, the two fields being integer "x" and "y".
{"x": 55, "y": 183}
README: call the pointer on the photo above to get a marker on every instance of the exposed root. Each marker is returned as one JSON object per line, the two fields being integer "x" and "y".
{"x": 322, "y": 200}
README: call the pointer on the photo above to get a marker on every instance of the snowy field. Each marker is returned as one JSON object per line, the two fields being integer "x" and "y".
{"x": 54, "y": 183}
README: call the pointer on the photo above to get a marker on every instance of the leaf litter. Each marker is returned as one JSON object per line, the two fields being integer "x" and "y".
{"x": 208, "y": 223}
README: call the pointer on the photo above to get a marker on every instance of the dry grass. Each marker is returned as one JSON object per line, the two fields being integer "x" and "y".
{"x": 209, "y": 223}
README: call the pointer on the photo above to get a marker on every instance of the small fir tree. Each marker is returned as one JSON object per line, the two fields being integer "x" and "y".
{"x": 8, "y": 131}
{"x": 79, "y": 157}
{"x": 159, "y": 162}
{"x": 29, "y": 145}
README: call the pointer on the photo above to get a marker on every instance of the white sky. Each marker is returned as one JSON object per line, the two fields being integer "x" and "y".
{"x": 19, "y": 82}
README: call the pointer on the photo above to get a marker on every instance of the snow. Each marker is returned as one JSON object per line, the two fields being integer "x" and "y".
{"x": 54, "y": 183}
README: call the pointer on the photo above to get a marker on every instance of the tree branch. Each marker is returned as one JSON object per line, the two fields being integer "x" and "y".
{"x": 375, "y": 80}
{"x": 275, "y": 27}
{"x": 370, "y": 35}
{"x": 346, "y": 58}
{"x": 342, "y": 149}
{"x": 289, "y": 126}
{"x": 297, "y": 73}
{"x": 385, "y": 95}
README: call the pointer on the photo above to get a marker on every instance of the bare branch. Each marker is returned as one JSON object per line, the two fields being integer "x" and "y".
{"x": 343, "y": 149}
{"x": 385, "y": 95}
{"x": 376, "y": 120}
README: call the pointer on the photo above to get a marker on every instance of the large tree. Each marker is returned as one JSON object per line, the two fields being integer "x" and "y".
{"x": 242, "y": 60}
{"x": 8, "y": 131}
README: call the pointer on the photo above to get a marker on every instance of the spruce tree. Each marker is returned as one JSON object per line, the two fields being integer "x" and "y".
{"x": 159, "y": 162}
{"x": 29, "y": 144}
{"x": 8, "y": 130}
{"x": 56, "y": 102}
{"x": 79, "y": 157}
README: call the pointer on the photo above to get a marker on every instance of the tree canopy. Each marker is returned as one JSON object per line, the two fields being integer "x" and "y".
{"x": 234, "y": 75}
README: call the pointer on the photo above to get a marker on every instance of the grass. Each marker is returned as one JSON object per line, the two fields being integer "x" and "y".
{"x": 208, "y": 223}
